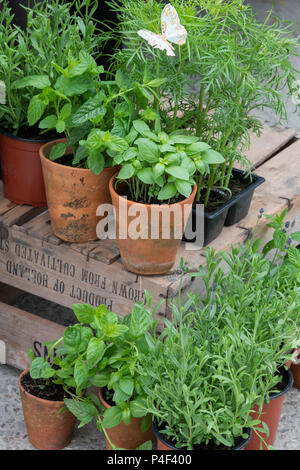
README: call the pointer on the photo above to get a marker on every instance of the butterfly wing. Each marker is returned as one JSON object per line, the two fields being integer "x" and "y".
{"x": 172, "y": 30}
{"x": 156, "y": 41}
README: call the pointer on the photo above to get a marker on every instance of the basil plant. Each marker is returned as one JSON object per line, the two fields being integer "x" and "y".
{"x": 161, "y": 166}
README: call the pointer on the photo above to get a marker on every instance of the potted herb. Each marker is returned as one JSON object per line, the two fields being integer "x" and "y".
{"x": 43, "y": 388}
{"x": 110, "y": 362}
{"x": 94, "y": 115}
{"x": 253, "y": 300}
{"x": 219, "y": 74}
{"x": 159, "y": 174}
{"x": 53, "y": 32}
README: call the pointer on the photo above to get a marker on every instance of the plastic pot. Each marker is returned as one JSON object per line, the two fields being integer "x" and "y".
{"x": 125, "y": 436}
{"x": 46, "y": 428}
{"x": 163, "y": 444}
{"x": 73, "y": 196}
{"x": 22, "y": 175}
{"x": 227, "y": 214}
{"x": 148, "y": 255}
{"x": 240, "y": 204}
{"x": 270, "y": 414}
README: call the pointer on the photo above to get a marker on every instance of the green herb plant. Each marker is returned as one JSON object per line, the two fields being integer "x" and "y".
{"x": 161, "y": 166}
{"x": 54, "y": 30}
{"x": 230, "y": 67}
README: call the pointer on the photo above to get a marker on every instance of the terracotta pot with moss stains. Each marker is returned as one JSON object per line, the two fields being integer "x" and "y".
{"x": 125, "y": 436}
{"x": 47, "y": 427}
{"x": 149, "y": 254}
{"x": 73, "y": 196}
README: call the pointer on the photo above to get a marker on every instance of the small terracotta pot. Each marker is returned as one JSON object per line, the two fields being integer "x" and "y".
{"x": 46, "y": 428}
{"x": 73, "y": 196}
{"x": 270, "y": 415}
{"x": 126, "y": 436}
{"x": 22, "y": 175}
{"x": 148, "y": 255}
{"x": 295, "y": 369}
{"x": 162, "y": 444}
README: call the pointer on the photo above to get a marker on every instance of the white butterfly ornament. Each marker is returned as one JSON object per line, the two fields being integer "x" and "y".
{"x": 171, "y": 29}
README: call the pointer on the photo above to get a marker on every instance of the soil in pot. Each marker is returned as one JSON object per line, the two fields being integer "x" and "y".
{"x": 49, "y": 424}
{"x": 271, "y": 412}
{"x": 73, "y": 196}
{"x": 125, "y": 436}
{"x": 22, "y": 175}
{"x": 151, "y": 248}
{"x": 164, "y": 443}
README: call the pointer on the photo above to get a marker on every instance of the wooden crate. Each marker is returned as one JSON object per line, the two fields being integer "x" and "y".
{"x": 34, "y": 260}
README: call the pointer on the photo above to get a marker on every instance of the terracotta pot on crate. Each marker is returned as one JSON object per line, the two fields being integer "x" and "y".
{"x": 22, "y": 175}
{"x": 125, "y": 436}
{"x": 73, "y": 196}
{"x": 148, "y": 256}
{"x": 163, "y": 444}
{"x": 46, "y": 428}
{"x": 270, "y": 414}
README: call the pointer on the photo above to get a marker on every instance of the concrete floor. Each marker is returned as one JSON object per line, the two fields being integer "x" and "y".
{"x": 12, "y": 428}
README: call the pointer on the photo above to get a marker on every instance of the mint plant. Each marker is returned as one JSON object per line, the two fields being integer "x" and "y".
{"x": 161, "y": 166}
{"x": 54, "y": 30}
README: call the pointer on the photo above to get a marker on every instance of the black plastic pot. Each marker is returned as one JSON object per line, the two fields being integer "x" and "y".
{"x": 241, "y": 202}
{"x": 229, "y": 213}
{"x": 163, "y": 444}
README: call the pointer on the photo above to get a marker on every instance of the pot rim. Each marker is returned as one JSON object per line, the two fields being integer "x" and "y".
{"x": 101, "y": 398}
{"x": 40, "y": 400}
{"x": 60, "y": 165}
{"x": 283, "y": 373}
{"x": 6, "y": 133}
{"x": 148, "y": 206}
{"x": 162, "y": 439}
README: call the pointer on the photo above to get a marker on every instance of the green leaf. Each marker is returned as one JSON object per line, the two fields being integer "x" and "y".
{"x": 148, "y": 150}
{"x": 212, "y": 157}
{"x": 57, "y": 151}
{"x": 157, "y": 82}
{"x": 80, "y": 154}
{"x": 146, "y": 422}
{"x": 72, "y": 339}
{"x": 35, "y": 110}
{"x": 100, "y": 380}
{"x": 84, "y": 411}
{"x": 60, "y": 126}
{"x": 197, "y": 147}
{"x": 95, "y": 161}
{"x": 91, "y": 109}
{"x": 36, "y": 81}
{"x": 167, "y": 192}
{"x": 95, "y": 351}
{"x": 66, "y": 111}
{"x": 81, "y": 374}
{"x": 48, "y": 122}
{"x": 84, "y": 312}
{"x": 40, "y": 368}
{"x": 295, "y": 236}
{"x": 146, "y": 175}
{"x": 184, "y": 188}
{"x": 137, "y": 408}
{"x": 112, "y": 417}
{"x": 126, "y": 172}
{"x": 117, "y": 144}
{"x": 294, "y": 256}
{"x": 179, "y": 172}
{"x": 182, "y": 139}
{"x": 140, "y": 321}
{"x": 126, "y": 384}
{"x": 148, "y": 445}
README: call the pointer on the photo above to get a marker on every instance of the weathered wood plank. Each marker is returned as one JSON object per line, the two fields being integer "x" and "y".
{"x": 40, "y": 227}
{"x": 5, "y": 204}
{"x": 19, "y": 215}
{"x": 9, "y": 294}
{"x": 271, "y": 141}
{"x": 21, "y": 330}
{"x": 105, "y": 251}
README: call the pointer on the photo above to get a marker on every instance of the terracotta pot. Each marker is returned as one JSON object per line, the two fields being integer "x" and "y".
{"x": 22, "y": 175}
{"x": 73, "y": 196}
{"x": 295, "y": 369}
{"x": 162, "y": 444}
{"x": 46, "y": 429}
{"x": 270, "y": 415}
{"x": 126, "y": 436}
{"x": 146, "y": 255}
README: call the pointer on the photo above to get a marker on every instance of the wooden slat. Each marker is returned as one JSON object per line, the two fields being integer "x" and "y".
{"x": 9, "y": 294}
{"x": 271, "y": 141}
{"x": 19, "y": 215}
{"x": 5, "y": 204}
{"x": 105, "y": 251}
{"x": 40, "y": 227}
{"x": 21, "y": 330}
